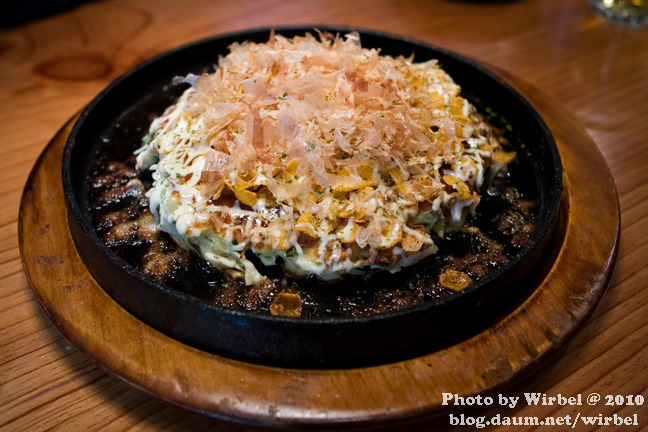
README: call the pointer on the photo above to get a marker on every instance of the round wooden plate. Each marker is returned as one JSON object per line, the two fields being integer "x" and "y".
{"x": 498, "y": 357}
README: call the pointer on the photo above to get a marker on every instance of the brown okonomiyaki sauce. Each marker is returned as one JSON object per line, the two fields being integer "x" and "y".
{"x": 504, "y": 223}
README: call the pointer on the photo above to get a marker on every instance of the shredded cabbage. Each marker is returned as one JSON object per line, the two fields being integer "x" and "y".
{"x": 318, "y": 154}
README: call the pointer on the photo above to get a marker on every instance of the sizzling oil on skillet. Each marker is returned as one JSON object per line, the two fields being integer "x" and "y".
{"x": 504, "y": 223}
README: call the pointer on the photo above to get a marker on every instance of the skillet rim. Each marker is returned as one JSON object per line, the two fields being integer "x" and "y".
{"x": 548, "y": 215}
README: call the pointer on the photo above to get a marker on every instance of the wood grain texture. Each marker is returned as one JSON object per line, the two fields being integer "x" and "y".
{"x": 392, "y": 393}
{"x": 597, "y": 70}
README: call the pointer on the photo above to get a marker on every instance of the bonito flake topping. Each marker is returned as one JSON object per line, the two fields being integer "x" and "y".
{"x": 316, "y": 154}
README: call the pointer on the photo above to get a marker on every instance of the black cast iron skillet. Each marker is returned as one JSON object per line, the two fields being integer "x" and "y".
{"x": 307, "y": 342}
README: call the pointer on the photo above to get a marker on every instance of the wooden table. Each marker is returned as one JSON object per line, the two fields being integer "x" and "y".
{"x": 51, "y": 68}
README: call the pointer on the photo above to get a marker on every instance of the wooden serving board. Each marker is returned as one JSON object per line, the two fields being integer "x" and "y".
{"x": 500, "y": 356}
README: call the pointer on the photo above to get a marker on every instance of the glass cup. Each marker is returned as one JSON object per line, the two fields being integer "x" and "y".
{"x": 634, "y": 12}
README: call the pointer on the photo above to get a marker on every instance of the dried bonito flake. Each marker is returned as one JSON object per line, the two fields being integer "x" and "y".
{"x": 455, "y": 280}
{"x": 286, "y": 304}
{"x": 318, "y": 154}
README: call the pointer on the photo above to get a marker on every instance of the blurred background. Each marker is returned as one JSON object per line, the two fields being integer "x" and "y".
{"x": 14, "y": 12}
